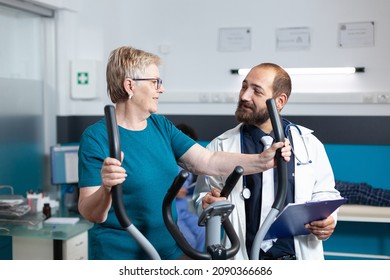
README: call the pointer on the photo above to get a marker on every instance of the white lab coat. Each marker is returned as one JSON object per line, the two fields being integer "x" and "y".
{"x": 314, "y": 181}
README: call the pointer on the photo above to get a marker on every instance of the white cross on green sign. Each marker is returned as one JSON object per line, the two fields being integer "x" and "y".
{"x": 82, "y": 78}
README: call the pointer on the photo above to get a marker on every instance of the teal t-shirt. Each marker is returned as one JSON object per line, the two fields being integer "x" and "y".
{"x": 150, "y": 160}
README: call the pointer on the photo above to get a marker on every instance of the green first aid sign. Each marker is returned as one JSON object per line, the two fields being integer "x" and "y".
{"x": 82, "y": 78}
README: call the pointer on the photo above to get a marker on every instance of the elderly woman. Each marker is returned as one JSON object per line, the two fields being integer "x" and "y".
{"x": 151, "y": 147}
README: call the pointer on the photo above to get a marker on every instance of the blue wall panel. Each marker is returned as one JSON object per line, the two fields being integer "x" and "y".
{"x": 359, "y": 238}
{"x": 361, "y": 163}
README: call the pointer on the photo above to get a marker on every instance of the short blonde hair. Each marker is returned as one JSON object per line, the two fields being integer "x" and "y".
{"x": 126, "y": 62}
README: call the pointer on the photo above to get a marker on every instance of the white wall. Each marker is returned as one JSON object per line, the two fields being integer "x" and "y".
{"x": 193, "y": 65}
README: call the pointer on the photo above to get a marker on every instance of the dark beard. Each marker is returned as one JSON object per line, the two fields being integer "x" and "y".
{"x": 255, "y": 117}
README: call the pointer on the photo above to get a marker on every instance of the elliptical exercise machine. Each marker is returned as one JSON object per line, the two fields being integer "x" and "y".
{"x": 217, "y": 213}
{"x": 213, "y": 216}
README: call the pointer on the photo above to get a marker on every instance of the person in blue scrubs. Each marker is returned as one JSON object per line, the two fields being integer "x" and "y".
{"x": 152, "y": 147}
{"x": 187, "y": 219}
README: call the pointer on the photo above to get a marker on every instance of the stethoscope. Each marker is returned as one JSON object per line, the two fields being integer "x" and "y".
{"x": 246, "y": 193}
{"x": 288, "y": 134}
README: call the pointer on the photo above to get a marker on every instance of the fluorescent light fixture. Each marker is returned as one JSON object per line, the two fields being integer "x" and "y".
{"x": 309, "y": 71}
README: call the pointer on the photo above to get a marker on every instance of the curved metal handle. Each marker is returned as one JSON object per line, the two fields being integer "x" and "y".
{"x": 232, "y": 180}
{"x": 230, "y": 183}
{"x": 116, "y": 191}
{"x": 282, "y": 182}
{"x": 178, "y": 182}
{"x": 170, "y": 223}
{"x": 115, "y": 152}
{"x": 233, "y": 237}
{"x": 281, "y": 163}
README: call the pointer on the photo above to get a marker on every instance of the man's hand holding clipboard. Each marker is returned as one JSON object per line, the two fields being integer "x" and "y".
{"x": 292, "y": 219}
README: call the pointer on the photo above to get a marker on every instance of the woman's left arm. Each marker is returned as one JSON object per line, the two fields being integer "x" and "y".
{"x": 201, "y": 161}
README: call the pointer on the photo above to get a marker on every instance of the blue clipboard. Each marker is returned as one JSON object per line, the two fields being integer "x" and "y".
{"x": 292, "y": 219}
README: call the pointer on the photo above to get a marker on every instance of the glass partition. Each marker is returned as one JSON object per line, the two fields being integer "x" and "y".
{"x": 21, "y": 95}
{"x": 21, "y": 105}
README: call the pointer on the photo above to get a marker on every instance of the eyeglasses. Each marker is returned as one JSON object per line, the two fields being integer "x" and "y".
{"x": 157, "y": 81}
